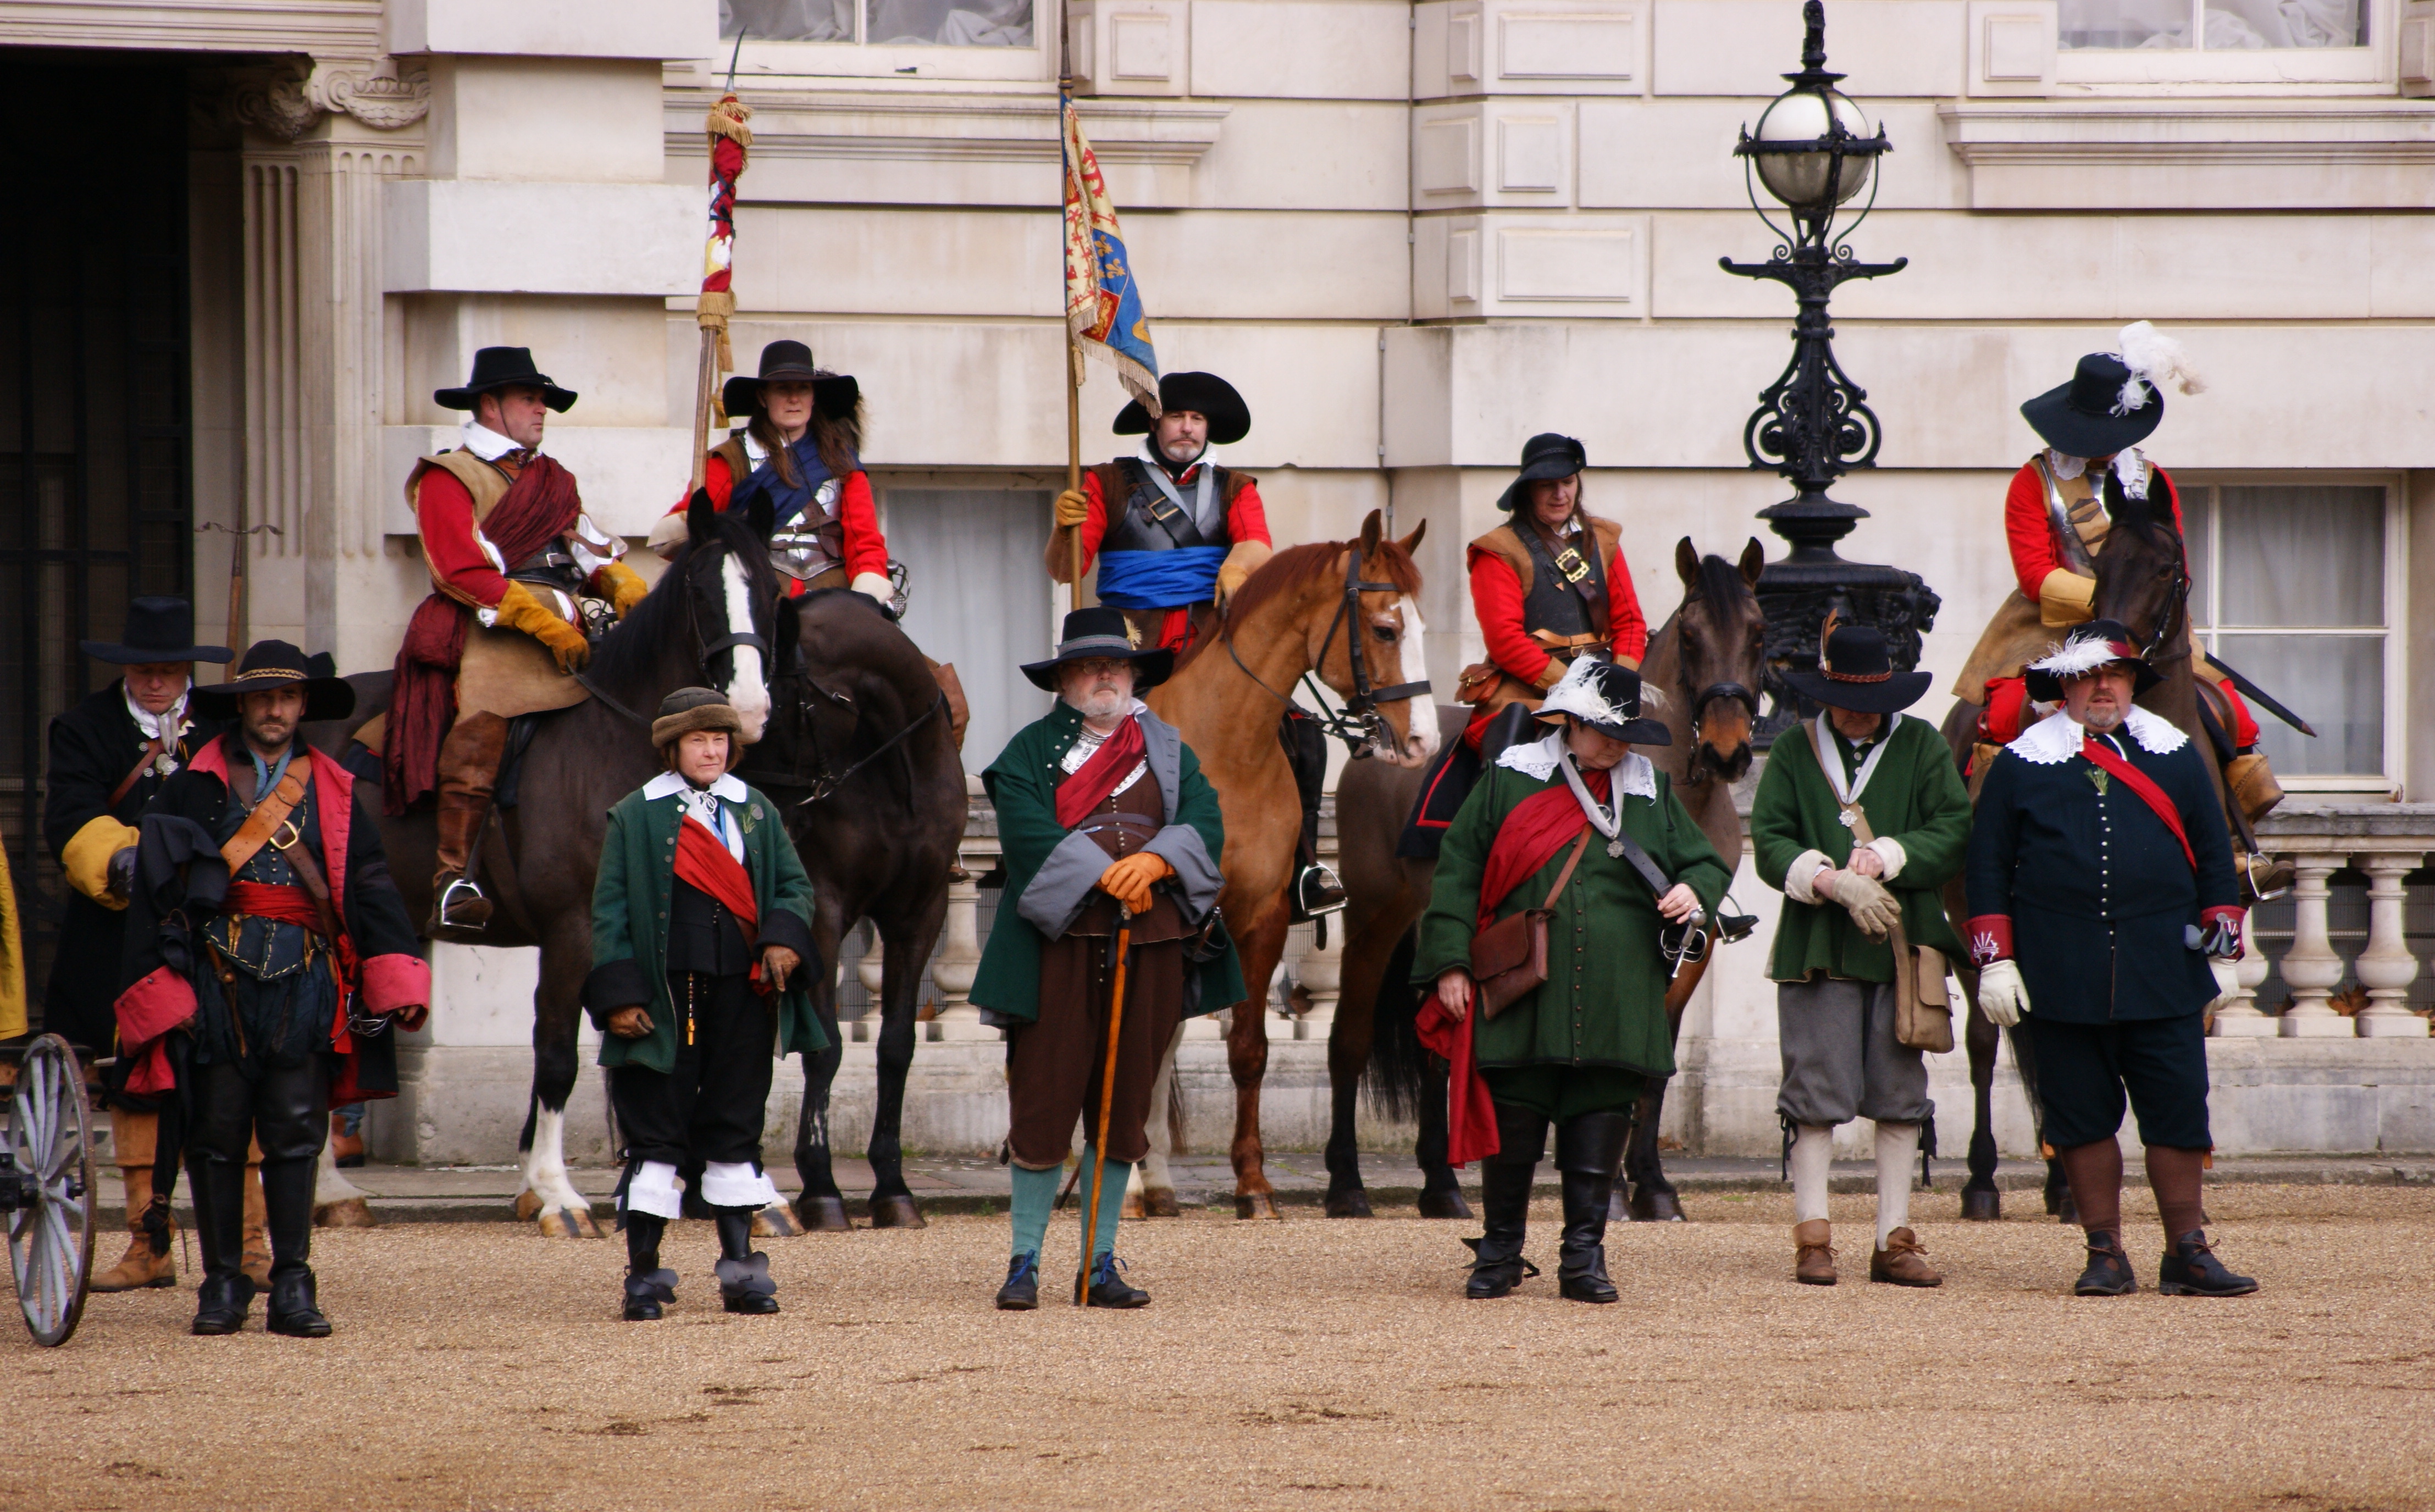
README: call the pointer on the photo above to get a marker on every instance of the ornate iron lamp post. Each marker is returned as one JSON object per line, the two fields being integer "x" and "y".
{"x": 1813, "y": 155}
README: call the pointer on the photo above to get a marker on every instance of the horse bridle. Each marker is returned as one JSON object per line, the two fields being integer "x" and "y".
{"x": 1358, "y": 724}
{"x": 703, "y": 652}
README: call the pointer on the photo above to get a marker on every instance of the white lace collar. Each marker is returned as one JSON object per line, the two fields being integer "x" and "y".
{"x": 728, "y": 786}
{"x": 2130, "y": 465}
{"x": 487, "y": 443}
{"x": 2056, "y": 739}
{"x": 1538, "y": 759}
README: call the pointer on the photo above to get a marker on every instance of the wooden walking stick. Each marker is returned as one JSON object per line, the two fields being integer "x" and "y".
{"x": 1106, "y": 1096}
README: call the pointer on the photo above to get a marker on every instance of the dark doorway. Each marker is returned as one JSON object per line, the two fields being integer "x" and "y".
{"x": 95, "y": 459}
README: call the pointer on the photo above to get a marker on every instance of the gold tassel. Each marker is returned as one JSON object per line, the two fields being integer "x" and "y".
{"x": 727, "y": 119}
{"x": 712, "y": 310}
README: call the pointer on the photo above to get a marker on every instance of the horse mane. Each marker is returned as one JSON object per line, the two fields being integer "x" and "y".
{"x": 1721, "y": 583}
{"x": 1297, "y": 567}
{"x": 631, "y": 647}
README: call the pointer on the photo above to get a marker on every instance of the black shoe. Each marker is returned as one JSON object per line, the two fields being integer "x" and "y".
{"x": 2190, "y": 1269}
{"x": 1108, "y": 1289}
{"x": 221, "y": 1303}
{"x": 293, "y": 1306}
{"x": 1021, "y": 1292}
{"x": 2109, "y": 1271}
{"x": 1580, "y": 1269}
{"x": 647, "y": 1293}
{"x": 1498, "y": 1265}
{"x": 745, "y": 1286}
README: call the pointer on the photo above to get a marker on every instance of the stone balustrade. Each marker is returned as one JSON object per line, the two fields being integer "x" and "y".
{"x": 2353, "y": 861}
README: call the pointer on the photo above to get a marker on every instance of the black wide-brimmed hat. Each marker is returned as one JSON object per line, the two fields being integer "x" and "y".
{"x": 496, "y": 367}
{"x": 1856, "y": 672}
{"x": 2088, "y": 416}
{"x": 2088, "y": 646}
{"x": 269, "y": 665}
{"x": 1206, "y": 395}
{"x": 1543, "y": 456}
{"x": 1606, "y": 698}
{"x": 157, "y": 629}
{"x": 833, "y": 394}
{"x": 1099, "y": 633}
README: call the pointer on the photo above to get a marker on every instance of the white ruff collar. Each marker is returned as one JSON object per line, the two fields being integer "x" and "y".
{"x": 2056, "y": 739}
{"x": 487, "y": 443}
{"x": 668, "y": 784}
{"x": 1631, "y": 775}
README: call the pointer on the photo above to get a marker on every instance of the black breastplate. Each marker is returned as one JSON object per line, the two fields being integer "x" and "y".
{"x": 553, "y": 566}
{"x": 1154, "y": 522}
{"x": 1555, "y": 603}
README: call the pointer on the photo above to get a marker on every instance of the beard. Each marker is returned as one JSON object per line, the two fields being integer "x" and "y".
{"x": 2104, "y": 718}
{"x": 1181, "y": 453}
{"x": 1099, "y": 702}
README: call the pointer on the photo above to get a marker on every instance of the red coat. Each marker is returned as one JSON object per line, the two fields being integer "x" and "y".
{"x": 2031, "y": 534}
{"x": 460, "y": 568}
{"x": 1496, "y": 599}
{"x": 1247, "y": 518}
{"x": 866, "y": 549}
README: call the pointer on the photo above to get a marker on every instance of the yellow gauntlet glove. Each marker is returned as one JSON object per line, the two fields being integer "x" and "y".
{"x": 518, "y": 611}
{"x": 1073, "y": 508}
{"x": 2066, "y": 599}
{"x": 1246, "y": 559}
{"x": 1129, "y": 879}
{"x": 624, "y": 586}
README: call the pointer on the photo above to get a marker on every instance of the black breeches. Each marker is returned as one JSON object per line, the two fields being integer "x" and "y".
{"x": 286, "y": 1110}
{"x": 711, "y": 1105}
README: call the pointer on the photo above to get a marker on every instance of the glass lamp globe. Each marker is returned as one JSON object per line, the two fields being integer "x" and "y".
{"x": 1799, "y": 178}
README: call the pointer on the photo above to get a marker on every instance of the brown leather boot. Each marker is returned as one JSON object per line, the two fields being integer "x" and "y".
{"x": 255, "y": 1260}
{"x": 1813, "y": 1259}
{"x": 469, "y": 771}
{"x": 139, "y": 1268}
{"x": 1903, "y": 1262}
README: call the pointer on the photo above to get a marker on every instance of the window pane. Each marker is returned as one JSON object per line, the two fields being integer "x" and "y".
{"x": 788, "y": 20}
{"x": 2336, "y": 683}
{"x": 976, "y": 597}
{"x": 951, "y": 23}
{"x": 2198, "y": 528}
{"x": 2233, "y": 24}
{"x": 2302, "y": 556}
{"x": 2125, "y": 23}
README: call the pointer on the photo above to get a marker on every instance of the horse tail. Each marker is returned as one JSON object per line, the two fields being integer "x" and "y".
{"x": 1398, "y": 1061}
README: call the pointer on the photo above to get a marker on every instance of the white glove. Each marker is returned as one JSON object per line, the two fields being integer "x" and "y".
{"x": 2001, "y": 996}
{"x": 1869, "y": 904}
{"x": 874, "y": 586}
{"x": 667, "y": 535}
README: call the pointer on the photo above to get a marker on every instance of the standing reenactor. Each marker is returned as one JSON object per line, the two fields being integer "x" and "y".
{"x": 701, "y": 929}
{"x": 1580, "y": 825}
{"x": 2100, "y": 885}
{"x": 267, "y": 953}
{"x": 1111, "y": 835}
{"x": 1858, "y": 823}
{"x": 109, "y": 755}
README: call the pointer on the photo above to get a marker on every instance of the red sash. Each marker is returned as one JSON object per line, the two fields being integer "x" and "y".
{"x": 1089, "y": 785}
{"x": 2141, "y": 783}
{"x": 1539, "y": 825}
{"x": 703, "y": 862}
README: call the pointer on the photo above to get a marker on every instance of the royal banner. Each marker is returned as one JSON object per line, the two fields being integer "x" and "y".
{"x": 1103, "y": 306}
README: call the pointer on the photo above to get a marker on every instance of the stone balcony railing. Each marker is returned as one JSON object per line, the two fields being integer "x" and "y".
{"x": 2361, "y": 912}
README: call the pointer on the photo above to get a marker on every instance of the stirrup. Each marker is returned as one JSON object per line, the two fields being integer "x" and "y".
{"x": 2255, "y": 862}
{"x": 1317, "y": 890}
{"x": 447, "y": 900}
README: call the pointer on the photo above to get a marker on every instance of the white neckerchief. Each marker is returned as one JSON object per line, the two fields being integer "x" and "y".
{"x": 1087, "y": 741}
{"x": 702, "y": 806}
{"x": 2130, "y": 466}
{"x": 487, "y": 443}
{"x": 1830, "y": 758}
{"x": 169, "y": 724}
{"x": 1204, "y": 507}
{"x": 2056, "y": 739}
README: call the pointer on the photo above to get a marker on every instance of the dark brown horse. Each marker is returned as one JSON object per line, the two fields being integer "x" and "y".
{"x": 1704, "y": 664}
{"x": 705, "y": 622}
{"x": 861, "y": 754}
{"x": 2142, "y": 581}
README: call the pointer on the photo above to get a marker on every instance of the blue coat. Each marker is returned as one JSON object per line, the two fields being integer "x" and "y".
{"x": 2096, "y": 887}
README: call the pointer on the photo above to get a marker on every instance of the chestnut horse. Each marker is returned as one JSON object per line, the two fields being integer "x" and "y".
{"x": 1702, "y": 671}
{"x": 1329, "y": 608}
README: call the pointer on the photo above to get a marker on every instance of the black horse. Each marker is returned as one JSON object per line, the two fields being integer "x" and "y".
{"x": 707, "y": 621}
{"x": 861, "y": 754}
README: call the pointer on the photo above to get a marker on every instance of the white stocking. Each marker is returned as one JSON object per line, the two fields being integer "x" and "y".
{"x": 1813, "y": 1151}
{"x": 1897, "y": 1146}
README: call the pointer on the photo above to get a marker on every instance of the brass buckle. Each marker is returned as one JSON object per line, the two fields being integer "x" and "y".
{"x": 287, "y": 827}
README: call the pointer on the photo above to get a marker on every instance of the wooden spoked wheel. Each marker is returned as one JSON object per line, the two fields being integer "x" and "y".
{"x": 47, "y": 1190}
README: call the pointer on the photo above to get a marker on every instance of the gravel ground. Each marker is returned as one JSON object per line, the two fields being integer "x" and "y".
{"x": 1304, "y": 1363}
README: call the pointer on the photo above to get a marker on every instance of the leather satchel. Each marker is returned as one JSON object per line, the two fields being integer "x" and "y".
{"x": 1509, "y": 958}
{"x": 1923, "y": 1014}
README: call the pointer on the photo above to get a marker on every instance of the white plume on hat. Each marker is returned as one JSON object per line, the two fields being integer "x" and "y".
{"x": 2077, "y": 657}
{"x": 2154, "y": 358}
{"x": 1577, "y": 693}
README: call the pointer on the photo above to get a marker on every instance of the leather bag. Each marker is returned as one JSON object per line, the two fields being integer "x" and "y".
{"x": 1509, "y": 958}
{"x": 1923, "y": 1014}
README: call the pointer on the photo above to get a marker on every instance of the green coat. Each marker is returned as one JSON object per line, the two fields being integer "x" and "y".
{"x": 629, "y": 951}
{"x": 1048, "y": 878}
{"x": 1604, "y": 1003}
{"x": 1915, "y": 796}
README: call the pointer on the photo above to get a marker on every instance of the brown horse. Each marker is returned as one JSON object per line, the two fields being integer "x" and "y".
{"x": 2142, "y": 581}
{"x": 707, "y": 620}
{"x": 1704, "y": 664}
{"x": 1327, "y": 608}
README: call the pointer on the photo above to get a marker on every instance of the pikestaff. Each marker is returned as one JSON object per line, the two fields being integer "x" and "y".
{"x": 731, "y": 140}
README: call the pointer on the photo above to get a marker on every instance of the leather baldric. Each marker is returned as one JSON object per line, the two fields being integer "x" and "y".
{"x": 260, "y": 828}
{"x": 154, "y": 750}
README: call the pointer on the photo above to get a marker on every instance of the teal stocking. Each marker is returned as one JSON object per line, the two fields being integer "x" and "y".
{"x": 1112, "y": 1199}
{"x": 1035, "y": 1196}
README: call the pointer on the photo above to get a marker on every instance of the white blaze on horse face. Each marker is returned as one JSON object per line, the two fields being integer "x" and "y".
{"x": 1421, "y": 742}
{"x": 747, "y": 692}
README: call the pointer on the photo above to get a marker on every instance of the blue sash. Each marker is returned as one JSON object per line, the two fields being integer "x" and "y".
{"x": 789, "y": 503}
{"x": 1159, "y": 580}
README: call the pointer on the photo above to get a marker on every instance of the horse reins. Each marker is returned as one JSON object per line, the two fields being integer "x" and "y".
{"x": 1358, "y": 724}
{"x": 826, "y": 785}
{"x": 705, "y": 650}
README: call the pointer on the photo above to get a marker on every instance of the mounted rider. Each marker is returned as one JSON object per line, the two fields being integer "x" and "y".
{"x": 801, "y": 444}
{"x": 1174, "y": 533}
{"x": 267, "y": 957}
{"x": 2056, "y": 517}
{"x": 521, "y": 582}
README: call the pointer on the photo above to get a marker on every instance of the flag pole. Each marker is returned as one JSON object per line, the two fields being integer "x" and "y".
{"x": 730, "y": 142}
{"x": 1073, "y": 351}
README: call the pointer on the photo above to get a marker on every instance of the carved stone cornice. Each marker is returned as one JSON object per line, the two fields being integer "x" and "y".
{"x": 951, "y": 129}
{"x": 2152, "y": 154}
{"x": 288, "y": 102}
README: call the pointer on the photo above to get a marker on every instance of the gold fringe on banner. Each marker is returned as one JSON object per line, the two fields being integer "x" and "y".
{"x": 727, "y": 119}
